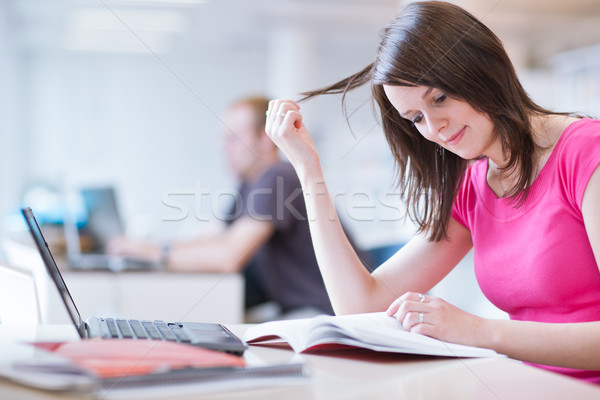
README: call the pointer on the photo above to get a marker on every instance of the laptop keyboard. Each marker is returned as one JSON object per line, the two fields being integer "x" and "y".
{"x": 154, "y": 330}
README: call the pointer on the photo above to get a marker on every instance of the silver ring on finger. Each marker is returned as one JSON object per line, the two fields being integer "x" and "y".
{"x": 421, "y": 298}
{"x": 420, "y": 317}
{"x": 267, "y": 113}
{"x": 282, "y": 115}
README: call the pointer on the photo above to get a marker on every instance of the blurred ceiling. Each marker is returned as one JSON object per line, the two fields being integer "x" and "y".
{"x": 535, "y": 29}
{"x": 541, "y": 28}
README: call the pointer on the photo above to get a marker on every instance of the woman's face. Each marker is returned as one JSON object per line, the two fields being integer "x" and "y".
{"x": 449, "y": 122}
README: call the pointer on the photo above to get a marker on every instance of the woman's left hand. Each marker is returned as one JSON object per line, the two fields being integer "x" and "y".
{"x": 434, "y": 317}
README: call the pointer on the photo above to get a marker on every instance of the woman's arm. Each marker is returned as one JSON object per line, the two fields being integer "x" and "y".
{"x": 571, "y": 345}
{"x": 417, "y": 266}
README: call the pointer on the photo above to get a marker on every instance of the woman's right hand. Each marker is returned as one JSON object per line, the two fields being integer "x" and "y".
{"x": 285, "y": 128}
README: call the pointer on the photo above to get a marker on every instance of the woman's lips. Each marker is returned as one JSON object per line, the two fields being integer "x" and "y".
{"x": 457, "y": 137}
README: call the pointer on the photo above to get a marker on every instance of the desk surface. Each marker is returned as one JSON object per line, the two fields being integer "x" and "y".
{"x": 364, "y": 376}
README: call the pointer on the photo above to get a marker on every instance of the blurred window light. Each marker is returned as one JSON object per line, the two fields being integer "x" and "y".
{"x": 105, "y": 19}
{"x": 159, "y": 2}
{"x": 116, "y": 42}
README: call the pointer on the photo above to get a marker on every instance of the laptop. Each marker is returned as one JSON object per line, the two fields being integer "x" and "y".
{"x": 208, "y": 335}
{"x": 101, "y": 223}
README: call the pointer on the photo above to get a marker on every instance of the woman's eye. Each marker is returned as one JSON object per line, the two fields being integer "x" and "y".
{"x": 440, "y": 98}
{"x": 418, "y": 118}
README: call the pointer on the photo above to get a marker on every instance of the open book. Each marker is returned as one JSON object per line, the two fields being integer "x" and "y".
{"x": 373, "y": 331}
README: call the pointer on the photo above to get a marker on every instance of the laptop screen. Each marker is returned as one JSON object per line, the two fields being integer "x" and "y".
{"x": 101, "y": 221}
{"x": 53, "y": 271}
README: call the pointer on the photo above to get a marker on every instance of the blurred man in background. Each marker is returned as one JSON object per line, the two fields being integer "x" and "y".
{"x": 266, "y": 235}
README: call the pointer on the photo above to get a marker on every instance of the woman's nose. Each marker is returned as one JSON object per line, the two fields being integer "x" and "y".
{"x": 437, "y": 127}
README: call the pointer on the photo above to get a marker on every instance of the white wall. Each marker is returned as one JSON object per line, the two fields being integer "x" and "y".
{"x": 132, "y": 121}
{"x": 12, "y": 118}
{"x": 149, "y": 123}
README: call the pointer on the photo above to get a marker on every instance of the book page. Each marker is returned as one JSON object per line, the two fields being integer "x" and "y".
{"x": 384, "y": 332}
{"x": 377, "y": 320}
{"x": 292, "y": 331}
{"x": 375, "y": 331}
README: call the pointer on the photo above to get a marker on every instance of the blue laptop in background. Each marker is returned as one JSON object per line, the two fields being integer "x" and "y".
{"x": 88, "y": 235}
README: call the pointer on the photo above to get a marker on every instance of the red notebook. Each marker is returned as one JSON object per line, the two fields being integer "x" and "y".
{"x": 123, "y": 357}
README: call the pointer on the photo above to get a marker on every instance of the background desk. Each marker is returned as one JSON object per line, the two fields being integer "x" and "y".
{"x": 374, "y": 376}
{"x": 169, "y": 296}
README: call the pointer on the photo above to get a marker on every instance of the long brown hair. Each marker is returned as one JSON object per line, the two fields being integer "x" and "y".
{"x": 440, "y": 45}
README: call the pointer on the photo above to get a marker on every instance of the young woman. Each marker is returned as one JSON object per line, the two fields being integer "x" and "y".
{"x": 480, "y": 166}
